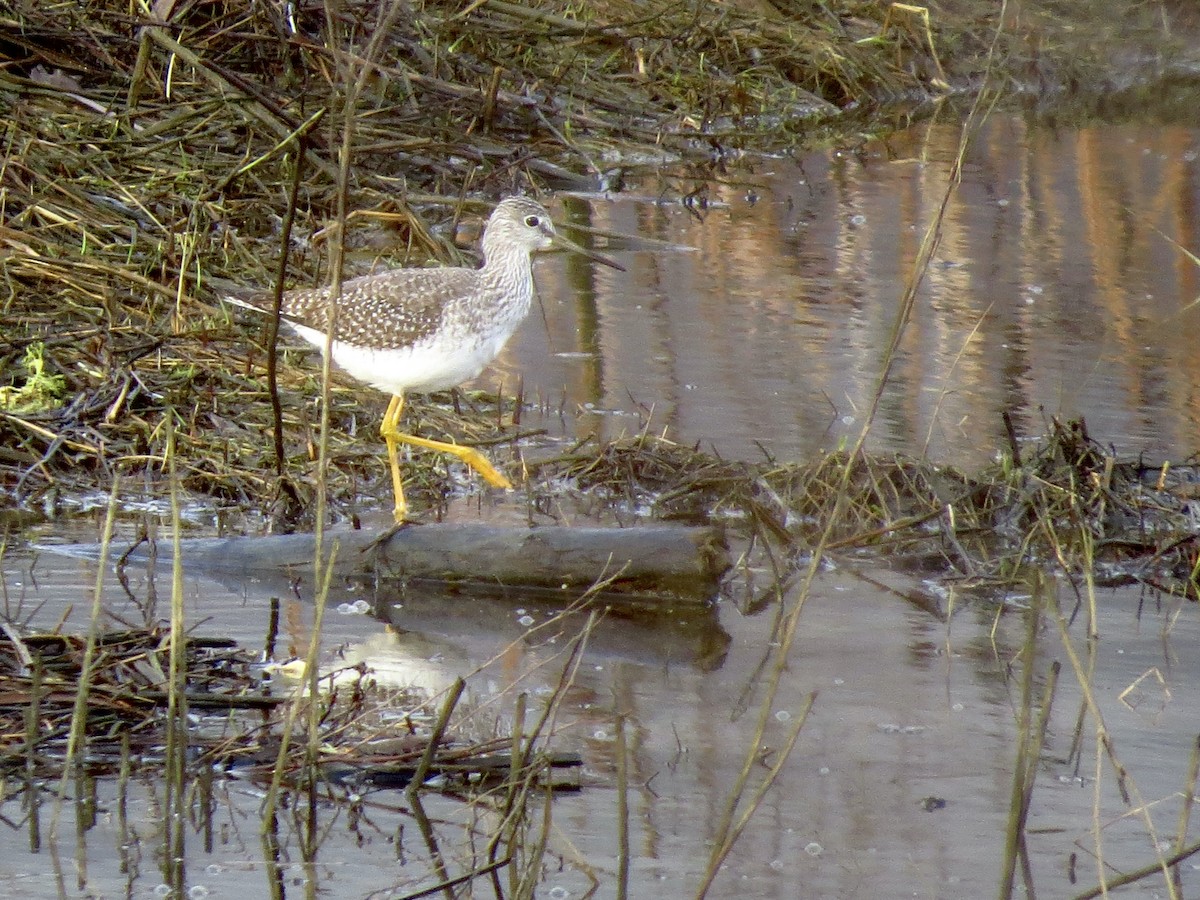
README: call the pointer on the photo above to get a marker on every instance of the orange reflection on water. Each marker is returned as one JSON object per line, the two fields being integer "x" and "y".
{"x": 1055, "y": 288}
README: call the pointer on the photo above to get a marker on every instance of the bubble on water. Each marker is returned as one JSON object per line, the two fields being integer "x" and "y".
{"x": 813, "y": 849}
{"x": 525, "y": 621}
{"x": 558, "y": 892}
{"x": 197, "y": 892}
{"x": 162, "y": 890}
{"x": 783, "y": 716}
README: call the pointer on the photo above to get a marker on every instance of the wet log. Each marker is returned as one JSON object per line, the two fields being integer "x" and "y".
{"x": 658, "y": 559}
{"x": 682, "y": 563}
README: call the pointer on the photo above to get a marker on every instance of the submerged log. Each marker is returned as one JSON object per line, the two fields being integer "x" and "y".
{"x": 682, "y": 563}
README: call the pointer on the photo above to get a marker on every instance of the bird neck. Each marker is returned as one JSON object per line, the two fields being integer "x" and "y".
{"x": 498, "y": 259}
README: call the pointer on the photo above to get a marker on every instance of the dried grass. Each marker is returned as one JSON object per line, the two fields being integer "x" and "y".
{"x": 1069, "y": 504}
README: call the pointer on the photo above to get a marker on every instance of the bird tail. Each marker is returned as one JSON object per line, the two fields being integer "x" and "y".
{"x": 237, "y": 295}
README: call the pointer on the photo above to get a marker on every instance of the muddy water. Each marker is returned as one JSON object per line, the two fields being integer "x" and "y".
{"x": 1055, "y": 288}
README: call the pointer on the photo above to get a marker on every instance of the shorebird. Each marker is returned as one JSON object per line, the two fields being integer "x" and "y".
{"x": 421, "y": 330}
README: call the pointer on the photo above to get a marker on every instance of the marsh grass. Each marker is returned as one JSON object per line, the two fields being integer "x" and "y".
{"x": 1108, "y": 772}
{"x": 1070, "y": 504}
{"x": 171, "y": 141}
{"x": 146, "y": 162}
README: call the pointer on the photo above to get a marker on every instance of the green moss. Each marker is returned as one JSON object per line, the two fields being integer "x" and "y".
{"x": 40, "y": 390}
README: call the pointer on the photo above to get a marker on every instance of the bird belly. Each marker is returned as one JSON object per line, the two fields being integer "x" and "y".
{"x": 421, "y": 368}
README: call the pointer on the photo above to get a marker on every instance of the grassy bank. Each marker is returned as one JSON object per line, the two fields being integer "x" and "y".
{"x": 149, "y": 154}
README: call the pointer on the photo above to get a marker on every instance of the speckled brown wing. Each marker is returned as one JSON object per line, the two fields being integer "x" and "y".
{"x": 388, "y": 310}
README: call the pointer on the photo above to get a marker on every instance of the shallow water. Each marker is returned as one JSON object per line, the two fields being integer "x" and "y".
{"x": 909, "y": 712}
{"x": 1056, "y": 291}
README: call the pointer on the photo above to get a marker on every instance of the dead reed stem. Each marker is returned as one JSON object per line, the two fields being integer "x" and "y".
{"x": 1185, "y": 808}
{"x": 622, "y": 750}
{"x": 1106, "y": 751}
{"x": 177, "y": 710}
{"x": 33, "y": 795}
{"x": 1030, "y": 738}
{"x": 77, "y": 736}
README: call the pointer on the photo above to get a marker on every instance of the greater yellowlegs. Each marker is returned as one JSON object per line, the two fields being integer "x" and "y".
{"x": 429, "y": 329}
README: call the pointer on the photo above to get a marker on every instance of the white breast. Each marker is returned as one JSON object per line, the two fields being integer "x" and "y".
{"x": 428, "y": 366}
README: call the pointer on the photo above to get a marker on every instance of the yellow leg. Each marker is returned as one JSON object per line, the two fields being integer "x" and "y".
{"x": 388, "y": 429}
{"x": 393, "y": 437}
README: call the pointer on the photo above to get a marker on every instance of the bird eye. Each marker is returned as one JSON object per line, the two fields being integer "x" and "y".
{"x": 533, "y": 221}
